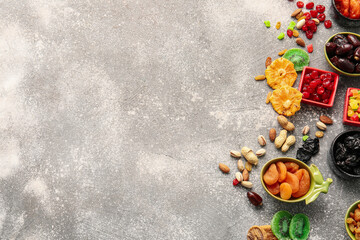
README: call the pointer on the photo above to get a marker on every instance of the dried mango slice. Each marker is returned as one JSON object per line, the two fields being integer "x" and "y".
{"x": 286, "y": 100}
{"x": 281, "y": 72}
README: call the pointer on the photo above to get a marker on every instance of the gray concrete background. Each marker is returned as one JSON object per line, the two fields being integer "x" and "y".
{"x": 114, "y": 116}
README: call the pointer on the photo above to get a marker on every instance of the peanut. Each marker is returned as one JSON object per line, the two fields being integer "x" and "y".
{"x": 285, "y": 123}
{"x": 249, "y": 155}
{"x": 239, "y": 176}
{"x": 288, "y": 143}
{"x": 240, "y": 165}
{"x": 279, "y": 140}
{"x": 248, "y": 166}
{"x": 247, "y": 184}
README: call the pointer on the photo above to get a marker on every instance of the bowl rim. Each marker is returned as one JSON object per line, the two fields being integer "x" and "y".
{"x": 346, "y": 107}
{"x": 351, "y": 208}
{"x": 332, "y": 155}
{"x": 330, "y": 63}
{"x": 333, "y": 94}
{"x": 347, "y": 18}
{"x": 288, "y": 159}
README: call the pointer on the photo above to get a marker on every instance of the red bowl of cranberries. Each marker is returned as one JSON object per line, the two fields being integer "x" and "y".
{"x": 342, "y": 52}
{"x": 318, "y": 87}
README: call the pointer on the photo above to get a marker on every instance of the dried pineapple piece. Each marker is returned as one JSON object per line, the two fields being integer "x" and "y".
{"x": 280, "y": 72}
{"x": 286, "y": 100}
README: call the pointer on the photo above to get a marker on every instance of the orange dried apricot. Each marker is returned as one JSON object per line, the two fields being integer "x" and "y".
{"x": 281, "y": 168}
{"x": 293, "y": 181}
{"x": 271, "y": 175}
{"x": 285, "y": 191}
{"x": 304, "y": 183}
{"x": 291, "y": 167}
{"x": 274, "y": 189}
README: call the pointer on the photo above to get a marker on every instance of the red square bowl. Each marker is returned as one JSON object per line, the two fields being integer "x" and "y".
{"x": 308, "y": 70}
{"x": 346, "y": 105}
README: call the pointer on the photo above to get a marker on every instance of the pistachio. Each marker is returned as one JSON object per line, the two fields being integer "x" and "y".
{"x": 261, "y": 152}
{"x": 321, "y": 126}
{"x": 305, "y": 130}
{"x": 239, "y": 176}
{"x": 261, "y": 140}
{"x": 235, "y": 154}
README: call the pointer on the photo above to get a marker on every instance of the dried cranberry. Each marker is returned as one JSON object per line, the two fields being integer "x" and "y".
{"x": 313, "y": 13}
{"x": 326, "y": 83}
{"x": 313, "y": 28}
{"x": 307, "y": 78}
{"x": 289, "y": 33}
{"x": 326, "y": 100}
{"x": 310, "y": 48}
{"x": 314, "y": 74}
{"x": 315, "y": 97}
{"x": 309, "y": 34}
{"x": 300, "y": 4}
{"x": 328, "y": 24}
{"x": 320, "y": 90}
{"x": 310, "y": 5}
{"x": 307, "y": 15}
{"x": 313, "y": 84}
{"x": 305, "y": 88}
{"x": 310, "y": 23}
{"x": 304, "y": 28}
{"x": 235, "y": 182}
{"x": 321, "y": 17}
{"x": 306, "y": 94}
{"x": 320, "y": 8}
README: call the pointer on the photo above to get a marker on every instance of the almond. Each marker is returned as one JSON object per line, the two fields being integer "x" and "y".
{"x": 260, "y": 77}
{"x": 300, "y": 42}
{"x": 261, "y": 140}
{"x": 272, "y": 134}
{"x": 268, "y": 61}
{"x": 296, "y": 12}
{"x": 224, "y": 168}
{"x": 326, "y": 120}
{"x": 245, "y": 175}
{"x": 235, "y": 154}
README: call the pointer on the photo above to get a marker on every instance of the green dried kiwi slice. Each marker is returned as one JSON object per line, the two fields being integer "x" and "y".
{"x": 280, "y": 225}
{"x": 298, "y": 57}
{"x": 299, "y": 227}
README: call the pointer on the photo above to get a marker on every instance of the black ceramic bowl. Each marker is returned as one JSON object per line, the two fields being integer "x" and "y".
{"x": 342, "y": 20}
{"x": 339, "y": 171}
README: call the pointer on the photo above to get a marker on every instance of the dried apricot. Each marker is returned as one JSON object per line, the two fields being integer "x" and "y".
{"x": 304, "y": 183}
{"x": 291, "y": 167}
{"x": 274, "y": 189}
{"x": 271, "y": 175}
{"x": 285, "y": 191}
{"x": 281, "y": 168}
{"x": 293, "y": 181}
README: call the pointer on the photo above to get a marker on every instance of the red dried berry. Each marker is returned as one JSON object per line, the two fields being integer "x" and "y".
{"x": 312, "y": 28}
{"x": 309, "y": 34}
{"x": 320, "y": 8}
{"x": 300, "y": 4}
{"x": 307, "y": 78}
{"x": 310, "y": 48}
{"x": 320, "y": 90}
{"x": 313, "y": 13}
{"x": 307, "y": 15}
{"x": 314, "y": 74}
{"x": 321, "y": 17}
{"x": 328, "y": 24}
{"x": 235, "y": 182}
{"x": 310, "y": 23}
{"x": 289, "y": 33}
{"x": 310, "y": 5}
{"x": 304, "y": 28}
{"x": 306, "y": 94}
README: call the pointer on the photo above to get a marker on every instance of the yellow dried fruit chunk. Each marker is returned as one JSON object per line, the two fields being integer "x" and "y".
{"x": 286, "y": 100}
{"x": 281, "y": 72}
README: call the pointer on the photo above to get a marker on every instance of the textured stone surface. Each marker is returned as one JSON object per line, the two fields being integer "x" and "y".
{"x": 114, "y": 116}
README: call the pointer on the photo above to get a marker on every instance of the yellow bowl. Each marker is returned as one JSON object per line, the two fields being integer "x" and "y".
{"x": 332, "y": 65}
{"x": 317, "y": 183}
{"x": 351, "y": 209}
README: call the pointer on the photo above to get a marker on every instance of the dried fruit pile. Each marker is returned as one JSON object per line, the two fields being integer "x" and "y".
{"x": 347, "y": 153}
{"x": 344, "y": 52}
{"x": 353, "y": 222}
{"x": 287, "y": 180}
{"x": 350, "y": 9}
{"x": 353, "y": 111}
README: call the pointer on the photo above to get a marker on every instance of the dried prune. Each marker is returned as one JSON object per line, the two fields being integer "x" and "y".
{"x": 352, "y": 161}
{"x": 308, "y": 149}
{"x": 303, "y": 155}
{"x": 347, "y": 153}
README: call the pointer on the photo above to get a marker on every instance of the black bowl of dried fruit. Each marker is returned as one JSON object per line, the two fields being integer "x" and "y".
{"x": 345, "y": 154}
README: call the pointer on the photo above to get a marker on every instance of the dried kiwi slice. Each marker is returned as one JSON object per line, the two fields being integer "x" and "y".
{"x": 299, "y": 227}
{"x": 298, "y": 57}
{"x": 280, "y": 225}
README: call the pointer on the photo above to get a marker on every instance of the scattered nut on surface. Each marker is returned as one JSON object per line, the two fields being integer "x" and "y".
{"x": 300, "y": 14}
{"x": 317, "y": 21}
{"x": 296, "y": 12}
{"x": 305, "y": 130}
{"x": 261, "y": 152}
{"x": 235, "y": 154}
{"x": 247, "y": 184}
{"x": 321, "y": 126}
{"x": 300, "y": 42}
{"x": 262, "y": 140}
{"x": 238, "y": 176}
{"x": 248, "y": 166}
{"x": 260, "y": 77}
{"x": 224, "y": 168}
{"x": 290, "y": 140}
{"x": 245, "y": 175}
{"x": 319, "y": 134}
{"x": 326, "y": 120}
{"x": 240, "y": 165}
{"x": 272, "y": 134}
{"x": 300, "y": 24}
